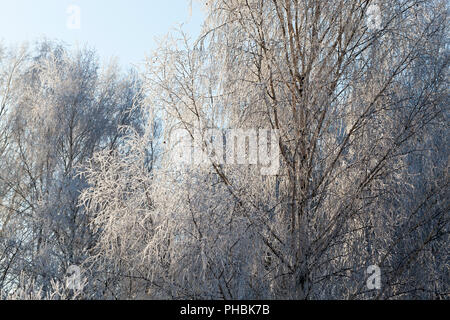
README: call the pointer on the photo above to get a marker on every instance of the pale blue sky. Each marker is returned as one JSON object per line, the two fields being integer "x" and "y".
{"x": 122, "y": 28}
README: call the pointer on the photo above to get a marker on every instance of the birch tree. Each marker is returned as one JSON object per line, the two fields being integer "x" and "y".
{"x": 361, "y": 116}
{"x": 58, "y": 108}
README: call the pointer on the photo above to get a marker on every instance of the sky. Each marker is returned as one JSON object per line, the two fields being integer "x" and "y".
{"x": 125, "y": 29}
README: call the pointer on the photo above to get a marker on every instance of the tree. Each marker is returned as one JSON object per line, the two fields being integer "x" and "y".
{"x": 359, "y": 115}
{"x": 58, "y": 110}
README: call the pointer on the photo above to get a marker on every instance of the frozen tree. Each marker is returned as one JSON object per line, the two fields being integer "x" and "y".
{"x": 58, "y": 108}
{"x": 361, "y": 116}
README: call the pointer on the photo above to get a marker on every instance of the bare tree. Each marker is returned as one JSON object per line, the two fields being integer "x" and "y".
{"x": 358, "y": 110}
{"x": 58, "y": 109}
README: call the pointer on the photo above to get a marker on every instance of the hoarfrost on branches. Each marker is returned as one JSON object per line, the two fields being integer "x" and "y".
{"x": 90, "y": 174}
